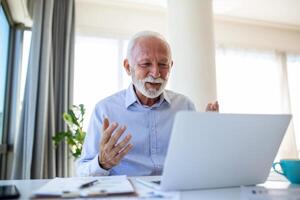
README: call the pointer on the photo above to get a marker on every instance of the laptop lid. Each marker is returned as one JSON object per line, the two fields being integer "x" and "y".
{"x": 212, "y": 150}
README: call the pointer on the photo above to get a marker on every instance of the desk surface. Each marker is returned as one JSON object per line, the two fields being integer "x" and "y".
{"x": 27, "y": 186}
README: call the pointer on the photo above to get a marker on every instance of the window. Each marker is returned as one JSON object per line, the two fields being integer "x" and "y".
{"x": 25, "y": 59}
{"x": 248, "y": 81}
{"x": 98, "y": 70}
{"x": 293, "y": 69}
{"x": 251, "y": 81}
{"x": 4, "y": 42}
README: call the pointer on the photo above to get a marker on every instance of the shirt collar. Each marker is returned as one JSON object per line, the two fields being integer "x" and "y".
{"x": 131, "y": 97}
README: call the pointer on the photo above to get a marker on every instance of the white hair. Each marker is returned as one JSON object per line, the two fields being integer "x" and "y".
{"x": 145, "y": 34}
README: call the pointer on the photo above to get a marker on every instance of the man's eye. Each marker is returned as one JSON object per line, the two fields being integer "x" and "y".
{"x": 163, "y": 65}
{"x": 145, "y": 64}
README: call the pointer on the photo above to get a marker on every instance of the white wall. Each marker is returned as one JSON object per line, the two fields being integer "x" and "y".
{"x": 114, "y": 20}
{"x": 118, "y": 20}
{"x": 256, "y": 35}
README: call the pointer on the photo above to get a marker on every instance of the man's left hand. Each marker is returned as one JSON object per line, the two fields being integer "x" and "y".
{"x": 212, "y": 107}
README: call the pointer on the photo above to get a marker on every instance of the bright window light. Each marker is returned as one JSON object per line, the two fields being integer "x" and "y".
{"x": 293, "y": 66}
{"x": 25, "y": 59}
{"x": 98, "y": 70}
{"x": 248, "y": 81}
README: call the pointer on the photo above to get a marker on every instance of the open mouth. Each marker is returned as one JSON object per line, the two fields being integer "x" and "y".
{"x": 156, "y": 85}
{"x": 151, "y": 83}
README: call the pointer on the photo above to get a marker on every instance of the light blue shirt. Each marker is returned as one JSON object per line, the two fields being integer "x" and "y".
{"x": 150, "y": 128}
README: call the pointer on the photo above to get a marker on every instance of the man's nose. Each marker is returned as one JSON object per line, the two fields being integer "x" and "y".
{"x": 154, "y": 71}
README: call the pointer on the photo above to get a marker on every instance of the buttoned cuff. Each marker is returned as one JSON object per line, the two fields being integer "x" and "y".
{"x": 96, "y": 170}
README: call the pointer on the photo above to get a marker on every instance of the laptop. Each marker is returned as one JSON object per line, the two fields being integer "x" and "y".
{"x": 213, "y": 150}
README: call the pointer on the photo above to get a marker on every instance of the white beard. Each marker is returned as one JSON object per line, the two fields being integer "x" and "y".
{"x": 150, "y": 93}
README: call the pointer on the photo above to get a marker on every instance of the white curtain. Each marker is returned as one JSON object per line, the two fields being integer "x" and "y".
{"x": 293, "y": 74}
{"x": 255, "y": 81}
{"x": 288, "y": 148}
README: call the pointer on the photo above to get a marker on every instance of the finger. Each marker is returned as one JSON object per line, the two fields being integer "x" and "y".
{"x": 121, "y": 144}
{"x": 208, "y": 107}
{"x": 105, "y": 124}
{"x": 104, "y": 127}
{"x": 216, "y": 106}
{"x": 108, "y": 132}
{"x": 211, "y": 107}
{"x": 114, "y": 138}
{"x": 123, "y": 153}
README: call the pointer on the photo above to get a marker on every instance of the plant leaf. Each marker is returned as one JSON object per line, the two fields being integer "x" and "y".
{"x": 75, "y": 135}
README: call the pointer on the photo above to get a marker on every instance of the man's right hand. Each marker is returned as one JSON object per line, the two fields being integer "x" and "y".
{"x": 111, "y": 152}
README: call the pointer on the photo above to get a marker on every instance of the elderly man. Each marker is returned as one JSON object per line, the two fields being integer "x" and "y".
{"x": 129, "y": 131}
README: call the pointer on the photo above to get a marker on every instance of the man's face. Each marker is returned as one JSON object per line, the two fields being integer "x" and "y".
{"x": 150, "y": 66}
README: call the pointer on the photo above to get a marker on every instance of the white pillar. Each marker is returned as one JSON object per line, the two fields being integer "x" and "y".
{"x": 190, "y": 31}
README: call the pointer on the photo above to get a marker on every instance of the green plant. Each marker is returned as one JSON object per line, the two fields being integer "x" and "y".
{"x": 74, "y": 136}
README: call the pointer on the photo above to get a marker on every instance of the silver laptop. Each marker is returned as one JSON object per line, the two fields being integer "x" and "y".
{"x": 213, "y": 150}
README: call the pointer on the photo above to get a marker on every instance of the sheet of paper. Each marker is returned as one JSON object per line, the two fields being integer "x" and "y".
{"x": 263, "y": 193}
{"x": 150, "y": 193}
{"x": 70, "y": 187}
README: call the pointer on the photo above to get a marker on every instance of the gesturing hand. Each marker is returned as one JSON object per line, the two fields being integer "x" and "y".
{"x": 112, "y": 152}
{"x": 212, "y": 107}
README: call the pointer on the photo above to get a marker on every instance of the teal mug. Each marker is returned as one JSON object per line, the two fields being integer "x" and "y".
{"x": 290, "y": 168}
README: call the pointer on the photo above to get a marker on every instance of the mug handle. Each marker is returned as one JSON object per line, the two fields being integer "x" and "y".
{"x": 274, "y": 165}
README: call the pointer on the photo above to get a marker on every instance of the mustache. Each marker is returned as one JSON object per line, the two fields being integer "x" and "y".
{"x": 153, "y": 80}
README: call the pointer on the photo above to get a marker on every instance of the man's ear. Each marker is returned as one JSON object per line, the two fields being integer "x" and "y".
{"x": 127, "y": 66}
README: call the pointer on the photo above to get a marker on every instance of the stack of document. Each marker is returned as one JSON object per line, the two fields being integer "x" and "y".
{"x": 85, "y": 187}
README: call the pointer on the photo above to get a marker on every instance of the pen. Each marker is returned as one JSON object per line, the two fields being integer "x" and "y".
{"x": 88, "y": 184}
{"x": 148, "y": 184}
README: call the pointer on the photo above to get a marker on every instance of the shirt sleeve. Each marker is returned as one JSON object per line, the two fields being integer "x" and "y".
{"x": 191, "y": 105}
{"x": 87, "y": 164}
